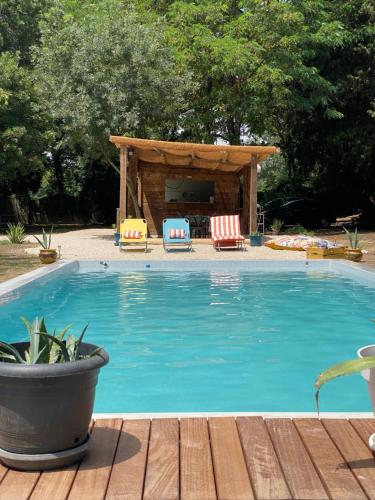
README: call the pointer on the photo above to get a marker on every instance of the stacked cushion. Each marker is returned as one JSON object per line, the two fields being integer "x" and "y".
{"x": 177, "y": 234}
{"x": 132, "y": 234}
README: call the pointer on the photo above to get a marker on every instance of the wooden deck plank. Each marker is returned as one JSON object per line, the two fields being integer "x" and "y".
{"x": 18, "y": 485}
{"x": 196, "y": 469}
{"x": 93, "y": 474}
{"x": 299, "y": 471}
{"x": 357, "y": 455}
{"x": 221, "y": 458}
{"x": 364, "y": 427}
{"x": 56, "y": 483}
{"x": 265, "y": 472}
{"x": 231, "y": 476}
{"x": 335, "y": 473}
{"x": 162, "y": 473}
{"x": 128, "y": 471}
{"x": 3, "y": 471}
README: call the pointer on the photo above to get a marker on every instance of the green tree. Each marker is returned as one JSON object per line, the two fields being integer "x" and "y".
{"x": 22, "y": 125}
{"x": 19, "y": 26}
{"x": 253, "y": 60}
{"x": 334, "y": 152}
{"x": 107, "y": 71}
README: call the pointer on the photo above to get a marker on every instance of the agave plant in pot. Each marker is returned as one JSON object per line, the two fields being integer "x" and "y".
{"x": 365, "y": 364}
{"x": 47, "y": 255}
{"x": 47, "y": 392}
{"x": 353, "y": 252}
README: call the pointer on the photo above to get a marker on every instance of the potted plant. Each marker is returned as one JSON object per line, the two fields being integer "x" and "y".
{"x": 276, "y": 226}
{"x": 365, "y": 363}
{"x": 353, "y": 252}
{"x": 47, "y": 392}
{"x": 47, "y": 255}
{"x": 256, "y": 239}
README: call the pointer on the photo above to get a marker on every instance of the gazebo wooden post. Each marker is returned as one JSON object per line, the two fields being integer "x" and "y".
{"x": 253, "y": 195}
{"x": 123, "y": 173}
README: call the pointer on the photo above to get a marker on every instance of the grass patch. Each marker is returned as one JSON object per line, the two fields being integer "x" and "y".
{"x": 15, "y": 261}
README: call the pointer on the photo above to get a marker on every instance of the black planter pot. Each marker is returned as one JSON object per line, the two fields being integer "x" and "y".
{"x": 45, "y": 410}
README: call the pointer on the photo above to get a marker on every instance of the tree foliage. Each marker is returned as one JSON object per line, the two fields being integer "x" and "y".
{"x": 333, "y": 151}
{"x": 22, "y": 127}
{"x": 108, "y": 72}
{"x": 298, "y": 73}
{"x": 253, "y": 60}
{"x": 19, "y": 26}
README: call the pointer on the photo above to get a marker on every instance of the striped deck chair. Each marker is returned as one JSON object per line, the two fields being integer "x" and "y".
{"x": 226, "y": 232}
{"x": 133, "y": 232}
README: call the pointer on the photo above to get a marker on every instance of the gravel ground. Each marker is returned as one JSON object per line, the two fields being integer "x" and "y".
{"x": 98, "y": 244}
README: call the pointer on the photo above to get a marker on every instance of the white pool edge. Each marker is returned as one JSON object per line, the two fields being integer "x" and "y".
{"x": 24, "y": 279}
{"x": 359, "y": 272}
{"x": 178, "y": 415}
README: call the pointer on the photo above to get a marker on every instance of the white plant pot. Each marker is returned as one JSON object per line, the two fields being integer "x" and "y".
{"x": 369, "y": 376}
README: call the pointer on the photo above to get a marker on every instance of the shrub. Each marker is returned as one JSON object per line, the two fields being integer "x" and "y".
{"x": 299, "y": 230}
{"x": 16, "y": 233}
{"x": 276, "y": 226}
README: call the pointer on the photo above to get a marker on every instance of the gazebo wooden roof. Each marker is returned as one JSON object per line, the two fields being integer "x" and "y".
{"x": 213, "y": 157}
{"x": 183, "y": 154}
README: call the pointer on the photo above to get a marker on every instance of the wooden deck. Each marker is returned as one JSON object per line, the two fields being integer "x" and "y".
{"x": 204, "y": 459}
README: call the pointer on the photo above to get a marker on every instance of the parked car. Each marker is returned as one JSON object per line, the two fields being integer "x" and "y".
{"x": 308, "y": 212}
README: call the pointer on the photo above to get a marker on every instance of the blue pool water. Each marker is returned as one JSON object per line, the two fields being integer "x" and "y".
{"x": 211, "y": 341}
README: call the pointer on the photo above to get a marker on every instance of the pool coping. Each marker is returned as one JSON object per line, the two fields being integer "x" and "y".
{"x": 358, "y": 271}
{"x": 266, "y": 414}
{"x": 24, "y": 279}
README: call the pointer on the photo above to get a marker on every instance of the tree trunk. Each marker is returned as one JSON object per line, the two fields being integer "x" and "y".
{"x": 21, "y": 212}
{"x": 57, "y": 157}
{"x": 234, "y": 131}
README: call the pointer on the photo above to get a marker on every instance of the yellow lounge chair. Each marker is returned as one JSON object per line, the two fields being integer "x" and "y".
{"x": 133, "y": 225}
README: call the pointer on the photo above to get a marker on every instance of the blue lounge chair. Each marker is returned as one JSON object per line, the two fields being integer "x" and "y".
{"x": 176, "y": 232}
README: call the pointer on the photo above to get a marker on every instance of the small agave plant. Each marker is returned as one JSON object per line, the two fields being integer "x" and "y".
{"x": 45, "y": 347}
{"x": 45, "y": 242}
{"x": 352, "y": 238}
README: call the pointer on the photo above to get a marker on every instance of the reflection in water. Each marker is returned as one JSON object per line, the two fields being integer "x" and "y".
{"x": 132, "y": 288}
{"x": 225, "y": 281}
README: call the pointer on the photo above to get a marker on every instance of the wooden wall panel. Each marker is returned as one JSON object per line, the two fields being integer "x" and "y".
{"x": 155, "y": 208}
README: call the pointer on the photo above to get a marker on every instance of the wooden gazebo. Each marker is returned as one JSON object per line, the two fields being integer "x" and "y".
{"x": 145, "y": 165}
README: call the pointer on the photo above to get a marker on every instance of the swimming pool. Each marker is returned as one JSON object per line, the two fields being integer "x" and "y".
{"x": 225, "y": 337}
